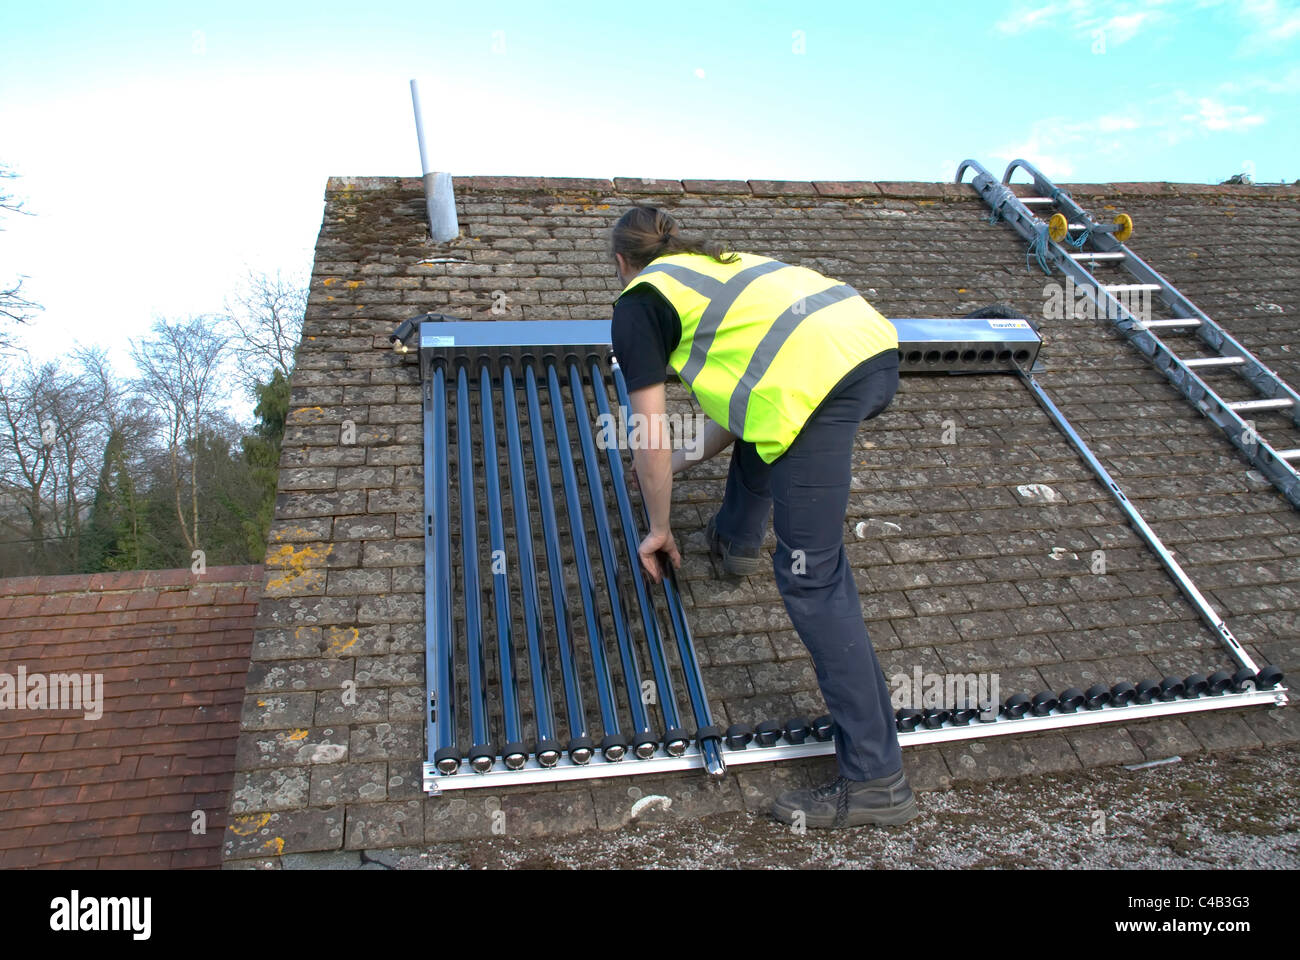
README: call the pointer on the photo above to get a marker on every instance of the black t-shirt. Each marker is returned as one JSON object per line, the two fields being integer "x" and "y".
{"x": 645, "y": 330}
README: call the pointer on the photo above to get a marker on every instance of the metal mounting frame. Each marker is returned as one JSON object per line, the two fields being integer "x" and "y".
{"x": 500, "y": 345}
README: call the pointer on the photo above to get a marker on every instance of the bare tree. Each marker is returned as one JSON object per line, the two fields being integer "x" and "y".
{"x": 182, "y": 375}
{"x": 48, "y": 455}
{"x": 25, "y": 460}
{"x": 14, "y": 307}
{"x": 265, "y": 320}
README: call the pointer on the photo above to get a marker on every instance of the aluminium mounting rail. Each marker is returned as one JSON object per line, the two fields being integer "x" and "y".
{"x": 1231, "y": 417}
{"x": 1172, "y": 566}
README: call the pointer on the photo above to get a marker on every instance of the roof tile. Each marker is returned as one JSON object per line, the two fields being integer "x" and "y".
{"x": 847, "y": 188}
{"x": 716, "y": 186}
{"x": 69, "y": 777}
{"x": 782, "y": 188}
{"x": 636, "y": 185}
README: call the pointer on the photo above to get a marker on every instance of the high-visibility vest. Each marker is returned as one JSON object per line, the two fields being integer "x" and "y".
{"x": 763, "y": 342}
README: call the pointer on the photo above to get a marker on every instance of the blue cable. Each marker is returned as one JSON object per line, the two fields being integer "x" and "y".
{"x": 1038, "y": 248}
{"x": 1001, "y": 195}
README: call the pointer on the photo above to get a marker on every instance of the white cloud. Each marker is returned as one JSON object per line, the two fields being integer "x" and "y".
{"x": 1028, "y": 19}
{"x": 1124, "y": 27}
{"x": 1048, "y": 145}
{"x": 1271, "y": 23}
{"x": 1113, "y": 124}
{"x": 1288, "y": 82}
{"x": 1114, "y": 21}
{"x": 1215, "y": 116}
{"x": 1056, "y": 144}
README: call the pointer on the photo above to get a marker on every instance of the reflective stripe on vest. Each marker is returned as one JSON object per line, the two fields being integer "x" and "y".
{"x": 763, "y": 342}
{"x": 772, "y": 341}
{"x": 721, "y": 297}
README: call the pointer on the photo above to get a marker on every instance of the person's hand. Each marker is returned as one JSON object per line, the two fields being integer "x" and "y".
{"x": 652, "y": 548}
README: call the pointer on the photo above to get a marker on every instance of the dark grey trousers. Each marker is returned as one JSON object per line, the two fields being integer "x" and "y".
{"x": 807, "y": 491}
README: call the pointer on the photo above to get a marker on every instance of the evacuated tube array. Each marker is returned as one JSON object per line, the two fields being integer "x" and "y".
{"x": 579, "y": 539}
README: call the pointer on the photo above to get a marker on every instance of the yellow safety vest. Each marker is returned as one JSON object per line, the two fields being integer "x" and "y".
{"x": 763, "y": 342}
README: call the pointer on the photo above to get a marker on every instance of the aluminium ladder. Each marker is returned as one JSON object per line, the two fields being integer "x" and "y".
{"x": 1046, "y": 238}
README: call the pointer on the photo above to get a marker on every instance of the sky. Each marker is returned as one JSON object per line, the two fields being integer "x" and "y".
{"x": 166, "y": 149}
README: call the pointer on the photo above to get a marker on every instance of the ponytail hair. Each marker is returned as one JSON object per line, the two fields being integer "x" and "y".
{"x": 645, "y": 232}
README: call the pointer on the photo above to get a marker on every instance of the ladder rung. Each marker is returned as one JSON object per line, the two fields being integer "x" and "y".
{"x": 1214, "y": 362}
{"x": 1033, "y": 201}
{"x": 1131, "y": 287}
{"x": 1280, "y": 403}
{"x": 1292, "y": 454}
{"x": 1177, "y": 322}
{"x": 1097, "y": 256}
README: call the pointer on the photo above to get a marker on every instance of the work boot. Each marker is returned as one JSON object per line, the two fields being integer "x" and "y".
{"x": 850, "y": 803}
{"x": 737, "y": 561}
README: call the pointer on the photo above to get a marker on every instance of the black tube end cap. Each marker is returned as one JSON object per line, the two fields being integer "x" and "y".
{"x": 514, "y": 749}
{"x": 961, "y": 716}
{"x": 482, "y": 757}
{"x": 1016, "y": 706}
{"x": 675, "y": 741}
{"x": 1123, "y": 693}
{"x": 768, "y": 733}
{"x": 1219, "y": 683}
{"x": 447, "y": 760}
{"x": 1045, "y": 701}
{"x": 708, "y": 733}
{"x": 907, "y": 718}
{"x": 644, "y": 745}
{"x": 823, "y": 728}
{"x": 739, "y": 735}
{"x": 1070, "y": 700}
{"x": 1243, "y": 680}
{"x": 932, "y": 718}
{"x": 614, "y": 747}
{"x": 797, "y": 729}
{"x": 580, "y": 749}
{"x": 1268, "y": 678}
{"x": 1098, "y": 696}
